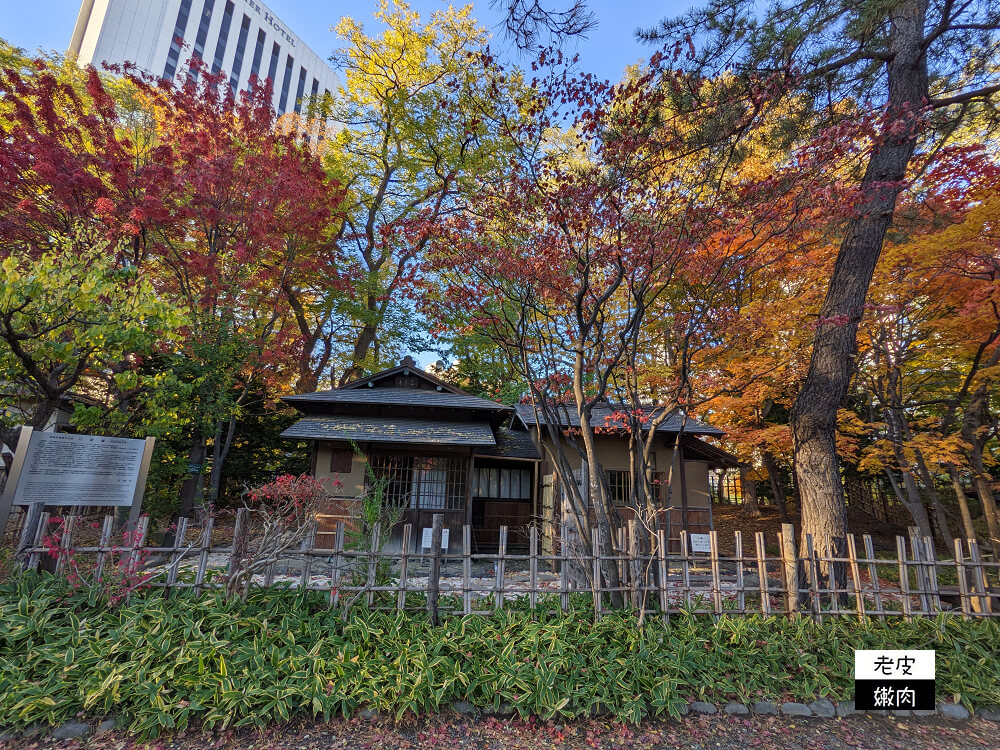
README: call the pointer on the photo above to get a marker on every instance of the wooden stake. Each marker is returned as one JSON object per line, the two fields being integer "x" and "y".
{"x": 595, "y": 546}
{"x": 434, "y": 577}
{"x": 873, "y": 574}
{"x": 308, "y": 543}
{"x": 661, "y": 556}
{"x": 686, "y": 567}
{"x": 931, "y": 559}
{"x": 338, "y": 564}
{"x": 466, "y": 569}
{"x": 713, "y": 551}
{"x": 765, "y": 593}
{"x": 963, "y": 584}
{"x": 533, "y": 563}
{"x": 790, "y": 567}
{"x": 206, "y": 544}
{"x": 817, "y": 607}
{"x": 501, "y": 569}
{"x": 904, "y": 578}
{"x": 404, "y": 562}
{"x": 175, "y": 554}
{"x": 852, "y": 557}
{"x": 740, "y": 595}
{"x": 102, "y": 547}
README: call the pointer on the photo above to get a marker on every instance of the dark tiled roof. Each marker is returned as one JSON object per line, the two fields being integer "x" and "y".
{"x": 388, "y": 430}
{"x": 397, "y": 397}
{"x": 699, "y": 450}
{"x": 409, "y": 368}
{"x": 602, "y": 417}
{"x": 511, "y": 444}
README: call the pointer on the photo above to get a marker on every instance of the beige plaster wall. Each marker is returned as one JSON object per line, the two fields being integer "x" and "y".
{"x": 350, "y": 485}
{"x": 613, "y": 453}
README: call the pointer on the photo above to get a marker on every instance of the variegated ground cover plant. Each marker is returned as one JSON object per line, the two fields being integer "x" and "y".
{"x": 160, "y": 663}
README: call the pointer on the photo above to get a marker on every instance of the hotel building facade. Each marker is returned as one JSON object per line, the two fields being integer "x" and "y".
{"x": 241, "y": 38}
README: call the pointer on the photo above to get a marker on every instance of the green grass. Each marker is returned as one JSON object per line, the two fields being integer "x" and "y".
{"x": 161, "y": 663}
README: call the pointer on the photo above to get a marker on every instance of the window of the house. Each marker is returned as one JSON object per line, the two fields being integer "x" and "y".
{"x": 619, "y": 486}
{"x": 341, "y": 460}
{"x": 502, "y": 484}
{"x": 422, "y": 482}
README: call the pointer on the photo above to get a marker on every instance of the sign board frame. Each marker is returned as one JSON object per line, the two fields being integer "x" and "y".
{"x": 17, "y": 469}
{"x": 700, "y": 543}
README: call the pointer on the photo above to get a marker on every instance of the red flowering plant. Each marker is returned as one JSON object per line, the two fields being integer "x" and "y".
{"x": 112, "y": 573}
{"x": 277, "y": 517}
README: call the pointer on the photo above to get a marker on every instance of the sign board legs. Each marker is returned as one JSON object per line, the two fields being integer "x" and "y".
{"x": 13, "y": 476}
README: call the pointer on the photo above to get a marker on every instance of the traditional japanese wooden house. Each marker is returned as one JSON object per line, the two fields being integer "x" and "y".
{"x": 687, "y": 505}
{"x": 441, "y": 450}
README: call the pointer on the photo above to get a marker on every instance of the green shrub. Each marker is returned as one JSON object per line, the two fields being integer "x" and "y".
{"x": 166, "y": 662}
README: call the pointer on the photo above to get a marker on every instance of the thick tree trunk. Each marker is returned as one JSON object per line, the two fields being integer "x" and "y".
{"x": 189, "y": 489}
{"x": 751, "y": 507}
{"x": 974, "y": 419}
{"x": 940, "y": 514}
{"x": 220, "y": 452}
{"x": 963, "y": 502}
{"x": 915, "y": 505}
{"x": 777, "y": 487}
{"x": 814, "y": 414}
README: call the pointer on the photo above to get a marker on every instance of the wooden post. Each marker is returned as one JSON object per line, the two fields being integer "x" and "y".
{"x": 501, "y": 569}
{"x": 241, "y": 532}
{"x": 873, "y": 574}
{"x": 638, "y": 600}
{"x": 765, "y": 592}
{"x": 372, "y": 579}
{"x": 175, "y": 554}
{"x": 404, "y": 561}
{"x": 308, "y": 544}
{"x": 713, "y": 549}
{"x": 904, "y": 578}
{"x": 963, "y": 584}
{"x": 563, "y": 568}
{"x": 686, "y": 567}
{"x": 790, "y": 568}
{"x": 979, "y": 578}
{"x": 817, "y": 607}
{"x": 662, "y": 578}
{"x": 852, "y": 558}
{"x": 434, "y": 577}
{"x": 206, "y": 544}
{"x": 466, "y": 569}
{"x": 595, "y": 548}
{"x": 923, "y": 583}
{"x": 103, "y": 546}
{"x": 338, "y": 563}
{"x": 932, "y": 567}
{"x": 533, "y": 567}
{"x": 832, "y": 587}
{"x": 740, "y": 595}
{"x": 65, "y": 544}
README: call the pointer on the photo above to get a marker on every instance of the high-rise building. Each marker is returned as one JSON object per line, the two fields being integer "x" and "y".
{"x": 163, "y": 36}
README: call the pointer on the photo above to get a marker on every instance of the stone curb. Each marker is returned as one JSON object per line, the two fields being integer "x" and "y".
{"x": 821, "y": 708}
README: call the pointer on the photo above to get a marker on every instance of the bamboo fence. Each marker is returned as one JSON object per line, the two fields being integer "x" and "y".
{"x": 796, "y": 581}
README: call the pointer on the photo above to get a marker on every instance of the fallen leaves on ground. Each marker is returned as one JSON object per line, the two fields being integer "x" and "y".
{"x": 493, "y": 733}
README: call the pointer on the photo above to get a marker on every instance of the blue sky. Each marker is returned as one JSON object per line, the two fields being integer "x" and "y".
{"x": 48, "y": 24}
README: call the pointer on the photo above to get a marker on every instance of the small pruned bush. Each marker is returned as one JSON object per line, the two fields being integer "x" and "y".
{"x": 165, "y": 663}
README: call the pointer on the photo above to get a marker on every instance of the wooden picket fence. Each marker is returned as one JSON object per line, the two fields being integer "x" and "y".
{"x": 913, "y": 583}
